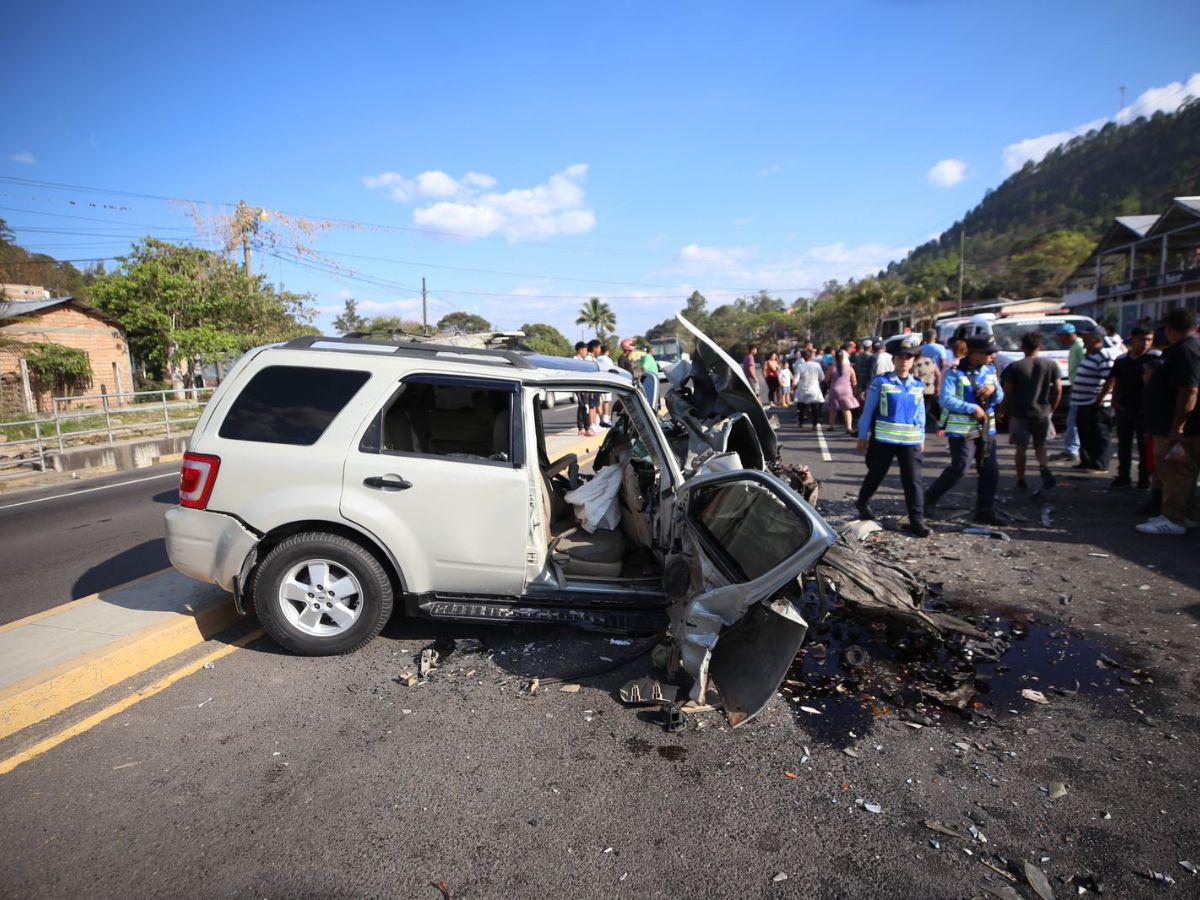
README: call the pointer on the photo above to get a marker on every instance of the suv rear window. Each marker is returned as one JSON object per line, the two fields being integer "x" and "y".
{"x": 290, "y": 404}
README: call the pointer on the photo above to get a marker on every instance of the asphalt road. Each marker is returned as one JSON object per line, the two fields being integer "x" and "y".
{"x": 274, "y": 775}
{"x": 61, "y": 543}
{"x": 68, "y": 541}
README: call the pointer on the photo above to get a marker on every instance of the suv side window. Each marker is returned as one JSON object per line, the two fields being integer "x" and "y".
{"x": 464, "y": 419}
{"x": 290, "y": 404}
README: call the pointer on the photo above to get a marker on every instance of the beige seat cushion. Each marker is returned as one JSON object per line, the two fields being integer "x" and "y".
{"x": 598, "y": 553}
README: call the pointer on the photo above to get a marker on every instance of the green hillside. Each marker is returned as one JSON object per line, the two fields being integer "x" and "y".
{"x": 1028, "y": 233}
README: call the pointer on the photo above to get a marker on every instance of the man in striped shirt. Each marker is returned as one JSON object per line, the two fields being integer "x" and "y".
{"x": 1091, "y": 402}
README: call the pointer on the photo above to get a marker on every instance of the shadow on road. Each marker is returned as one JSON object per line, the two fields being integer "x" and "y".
{"x": 147, "y": 557}
{"x": 170, "y": 498}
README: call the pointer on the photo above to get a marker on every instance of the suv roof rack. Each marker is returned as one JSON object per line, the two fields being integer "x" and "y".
{"x": 407, "y": 348}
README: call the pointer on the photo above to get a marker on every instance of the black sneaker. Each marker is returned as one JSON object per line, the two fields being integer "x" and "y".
{"x": 1021, "y": 485}
{"x": 1048, "y": 479}
{"x": 987, "y": 517}
{"x": 917, "y": 528}
{"x": 1143, "y": 485}
{"x": 865, "y": 511}
{"x": 1120, "y": 484}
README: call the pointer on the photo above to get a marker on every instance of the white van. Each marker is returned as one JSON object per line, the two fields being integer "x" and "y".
{"x": 1007, "y": 331}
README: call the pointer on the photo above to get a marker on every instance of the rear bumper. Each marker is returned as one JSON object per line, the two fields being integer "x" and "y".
{"x": 208, "y": 546}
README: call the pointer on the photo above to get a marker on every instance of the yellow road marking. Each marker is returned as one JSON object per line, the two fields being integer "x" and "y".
{"x": 45, "y": 694}
{"x": 108, "y": 712}
{"x": 71, "y": 604}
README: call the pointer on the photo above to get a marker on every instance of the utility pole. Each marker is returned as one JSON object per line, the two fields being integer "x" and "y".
{"x": 246, "y": 255}
{"x": 424, "y": 307}
{"x": 962, "y": 265}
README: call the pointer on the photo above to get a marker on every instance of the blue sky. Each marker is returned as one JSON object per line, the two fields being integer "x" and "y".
{"x": 632, "y": 151}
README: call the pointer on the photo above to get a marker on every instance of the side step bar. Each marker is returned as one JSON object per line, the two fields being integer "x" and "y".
{"x": 479, "y": 610}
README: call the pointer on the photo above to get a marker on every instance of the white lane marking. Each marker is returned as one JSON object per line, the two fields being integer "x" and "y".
{"x": 103, "y": 487}
{"x": 825, "y": 455}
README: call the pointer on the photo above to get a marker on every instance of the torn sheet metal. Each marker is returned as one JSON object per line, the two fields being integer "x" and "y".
{"x": 717, "y": 389}
{"x": 877, "y": 587}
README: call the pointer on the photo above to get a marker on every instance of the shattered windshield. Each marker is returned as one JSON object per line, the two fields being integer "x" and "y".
{"x": 750, "y": 528}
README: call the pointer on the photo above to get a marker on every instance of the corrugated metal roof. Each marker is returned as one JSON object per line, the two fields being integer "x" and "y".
{"x": 25, "y": 307}
{"x": 1192, "y": 203}
{"x": 1138, "y": 224}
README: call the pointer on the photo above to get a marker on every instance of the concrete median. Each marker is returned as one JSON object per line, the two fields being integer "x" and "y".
{"x": 53, "y": 660}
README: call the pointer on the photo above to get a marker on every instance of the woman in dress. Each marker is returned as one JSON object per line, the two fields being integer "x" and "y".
{"x": 809, "y": 396}
{"x": 840, "y": 381}
{"x": 771, "y": 374}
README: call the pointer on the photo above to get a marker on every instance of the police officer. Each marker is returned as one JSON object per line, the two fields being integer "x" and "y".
{"x": 892, "y": 426}
{"x": 970, "y": 394}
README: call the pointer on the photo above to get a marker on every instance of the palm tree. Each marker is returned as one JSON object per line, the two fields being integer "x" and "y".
{"x": 598, "y": 316}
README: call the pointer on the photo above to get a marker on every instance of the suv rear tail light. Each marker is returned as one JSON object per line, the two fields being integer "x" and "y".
{"x": 196, "y": 479}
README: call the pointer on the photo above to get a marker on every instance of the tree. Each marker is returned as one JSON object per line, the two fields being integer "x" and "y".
{"x": 697, "y": 307}
{"x": 64, "y": 369}
{"x": 598, "y": 316}
{"x": 546, "y": 339}
{"x": 463, "y": 323}
{"x": 1054, "y": 256}
{"x": 393, "y": 326}
{"x": 180, "y": 305}
{"x": 350, "y": 321}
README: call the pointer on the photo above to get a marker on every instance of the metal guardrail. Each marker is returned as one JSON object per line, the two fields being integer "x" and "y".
{"x": 123, "y": 413}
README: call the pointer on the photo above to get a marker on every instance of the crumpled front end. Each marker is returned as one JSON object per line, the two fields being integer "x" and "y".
{"x": 745, "y": 541}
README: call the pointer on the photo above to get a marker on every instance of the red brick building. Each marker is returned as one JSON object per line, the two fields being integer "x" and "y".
{"x": 71, "y": 323}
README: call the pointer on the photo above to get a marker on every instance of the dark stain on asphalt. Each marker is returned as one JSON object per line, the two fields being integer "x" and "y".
{"x": 638, "y": 746}
{"x": 673, "y": 752}
{"x": 855, "y": 673}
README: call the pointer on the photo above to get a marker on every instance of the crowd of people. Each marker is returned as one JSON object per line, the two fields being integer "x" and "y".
{"x": 1144, "y": 388}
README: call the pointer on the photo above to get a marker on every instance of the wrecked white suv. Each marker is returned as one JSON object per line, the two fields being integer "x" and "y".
{"x": 329, "y": 479}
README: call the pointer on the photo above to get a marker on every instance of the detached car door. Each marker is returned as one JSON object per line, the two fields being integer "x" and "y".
{"x": 748, "y": 537}
{"x": 439, "y": 475}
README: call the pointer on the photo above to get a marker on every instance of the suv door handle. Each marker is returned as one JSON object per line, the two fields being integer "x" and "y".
{"x": 387, "y": 483}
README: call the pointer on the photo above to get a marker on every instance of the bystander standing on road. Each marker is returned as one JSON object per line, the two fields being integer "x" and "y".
{"x": 970, "y": 394}
{"x": 750, "y": 367}
{"x": 1075, "y": 352}
{"x": 883, "y": 361}
{"x": 840, "y": 384}
{"x": 1173, "y": 421}
{"x": 604, "y": 361}
{"x": 771, "y": 377}
{"x": 864, "y": 368}
{"x": 892, "y": 426}
{"x": 926, "y": 368}
{"x": 582, "y": 399}
{"x": 1091, "y": 405}
{"x": 1127, "y": 382}
{"x": 808, "y": 395}
{"x": 931, "y": 349}
{"x": 785, "y": 383}
{"x": 1032, "y": 391}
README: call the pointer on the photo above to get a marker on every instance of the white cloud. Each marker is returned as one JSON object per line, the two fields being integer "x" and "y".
{"x": 739, "y": 267}
{"x": 947, "y": 173}
{"x": 555, "y": 207}
{"x": 25, "y": 158}
{"x": 1160, "y": 99}
{"x": 741, "y": 220}
{"x": 770, "y": 170}
{"x": 479, "y": 180}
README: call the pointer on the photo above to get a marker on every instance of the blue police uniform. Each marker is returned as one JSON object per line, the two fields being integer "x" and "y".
{"x": 893, "y": 424}
{"x": 965, "y": 434}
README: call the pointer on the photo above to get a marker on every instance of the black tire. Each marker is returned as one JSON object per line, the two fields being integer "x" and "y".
{"x": 376, "y": 594}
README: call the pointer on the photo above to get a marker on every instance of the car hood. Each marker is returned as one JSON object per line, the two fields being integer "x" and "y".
{"x": 720, "y": 389}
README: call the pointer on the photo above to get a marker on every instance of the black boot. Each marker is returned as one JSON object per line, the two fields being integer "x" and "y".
{"x": 1048, "y": 481}
{"x": 987, "y": 517}
{"x": 917, "y": 528}
{"x": 865, "y": 512}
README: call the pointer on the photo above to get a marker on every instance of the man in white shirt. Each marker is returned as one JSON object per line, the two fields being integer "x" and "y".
{"x": 883, "y": 360}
